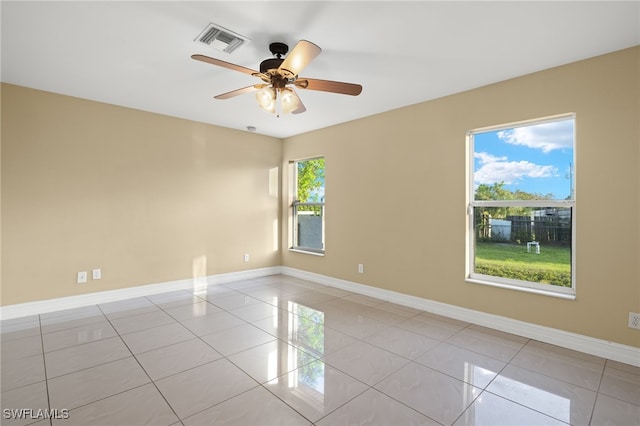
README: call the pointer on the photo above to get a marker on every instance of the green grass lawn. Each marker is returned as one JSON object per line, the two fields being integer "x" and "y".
{"x": 551, "y": 266}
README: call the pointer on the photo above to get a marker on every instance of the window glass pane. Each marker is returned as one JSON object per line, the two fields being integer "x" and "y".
{"x": 308, "y": 207}
{"x": 310, "y": 222}
{"x": 527, "y": 244}
{"x": 532, "y": 162}
{"x": 310, "y": 187}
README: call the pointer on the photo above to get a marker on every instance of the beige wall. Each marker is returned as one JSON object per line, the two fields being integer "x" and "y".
{"x": 145, "y": 197}
{"x": 395, "y": 195}
{"x": 150, "y": 198}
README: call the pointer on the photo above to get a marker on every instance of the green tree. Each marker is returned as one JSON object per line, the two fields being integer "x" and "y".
{"x": 497, "y": 191}
{"x": 493, "y": 192}
{"x": 310, "y": 179}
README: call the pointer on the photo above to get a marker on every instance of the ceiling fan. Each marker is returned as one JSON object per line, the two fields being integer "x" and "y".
{"x": 275, "y": 95}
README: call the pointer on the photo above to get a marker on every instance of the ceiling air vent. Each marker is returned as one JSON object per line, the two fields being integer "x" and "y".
{"x": 220, "y": 38}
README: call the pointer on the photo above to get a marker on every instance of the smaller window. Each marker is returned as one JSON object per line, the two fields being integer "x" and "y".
{"x": 308, "y": 205}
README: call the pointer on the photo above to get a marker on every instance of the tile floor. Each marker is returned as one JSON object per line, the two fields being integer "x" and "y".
{"x": 278, "y": 350}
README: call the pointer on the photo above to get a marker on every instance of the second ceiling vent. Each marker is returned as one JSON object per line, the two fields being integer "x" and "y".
{"x": 220, "y": 38}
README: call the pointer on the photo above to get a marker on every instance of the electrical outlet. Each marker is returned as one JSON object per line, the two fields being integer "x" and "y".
{"x": 361, "y": 268}
{"x": 245, "y": 257}
{"x": 96, "y": 274}
{"x": 634, "y": 320}
{"x": 82, "y": 277}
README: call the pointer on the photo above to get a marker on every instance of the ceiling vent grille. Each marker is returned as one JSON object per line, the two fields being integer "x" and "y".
{"x": 220, "y": 38}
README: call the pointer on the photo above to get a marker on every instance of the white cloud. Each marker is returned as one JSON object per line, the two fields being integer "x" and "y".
{"x": 546, "y": 136}
{"x": 485, "y": 157}
{"x": 497, "y": 169}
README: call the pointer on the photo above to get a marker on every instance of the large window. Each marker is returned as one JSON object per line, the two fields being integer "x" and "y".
{"x": 308, "y": 205}
{"x": 522, "y": 206}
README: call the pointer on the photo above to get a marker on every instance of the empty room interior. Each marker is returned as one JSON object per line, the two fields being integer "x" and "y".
{"x": 435, "y": 222}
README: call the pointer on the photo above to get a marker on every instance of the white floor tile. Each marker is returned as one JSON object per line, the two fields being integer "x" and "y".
{"x": 470, "y": 367}
{"x": 436, "y": 395}
{"x": 237, "y": 339}
{"x": 254, "y": 407}
{"x": 280, "y": 350}
{"x": 143, "y": 405}
{"x": 176, "y": 358}
{"x": 30, "y": 397}
{"x": 493, "y": 343}
{"x": 492, "y": 410}
{"x": 563, "y": 401}
{"x": 563, "y": 364}
{"x": 612, "y": 411}
{"x": 365, "y": 362}
{"x": 316, "y": 389}
{"x": 271, "y": 360}
{"x": 621, "y": 384}
{"x": 202, "y": 387}
{"x": 157, "y": 337}
{"x": 211, "y": 323}
{"x": 376, "y": 409}
{"x": 143, "y": 321}
{"x": 75, "y": 358}
{"x": 22, "y": 371}
{"x": 90, "y": 385}
{"x": 78, "y": 336}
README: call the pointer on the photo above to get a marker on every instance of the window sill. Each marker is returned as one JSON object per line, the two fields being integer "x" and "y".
{"x": 559, "y": 295}
{"x": 314, "y": 253}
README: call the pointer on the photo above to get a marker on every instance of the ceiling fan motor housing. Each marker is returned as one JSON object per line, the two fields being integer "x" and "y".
{"x": 277, "y": 49}
{"x": 270, "y": 64}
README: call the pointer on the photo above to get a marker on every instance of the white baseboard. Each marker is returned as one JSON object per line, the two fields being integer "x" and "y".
{"x": 61, "y": 303}
{"x": 603, "y": 348}
{"x": 610, "y": 350}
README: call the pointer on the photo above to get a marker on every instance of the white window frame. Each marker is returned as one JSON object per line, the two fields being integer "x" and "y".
{"x": 509, "y": 283}
{"x": 294, "y": 246}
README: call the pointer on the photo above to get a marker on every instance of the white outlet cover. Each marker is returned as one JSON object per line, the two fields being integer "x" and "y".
{"x": 634, "y": 320}
{"x": 96, "y": 274}
{"x": 82, "y": 277}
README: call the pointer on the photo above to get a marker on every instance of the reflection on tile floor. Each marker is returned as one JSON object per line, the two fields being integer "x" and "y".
{"x": 279, "y": 350}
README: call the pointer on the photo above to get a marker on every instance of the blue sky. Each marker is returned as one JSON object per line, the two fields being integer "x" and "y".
{"x": 534, "y": 158}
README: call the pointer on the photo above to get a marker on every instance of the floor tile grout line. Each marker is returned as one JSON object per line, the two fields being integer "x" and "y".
{"x": 79, "y": 345}
{"x": 545, "y": 374}
{"x": 66, "y": 321}
{"x": 218, "y": 403}
{"x": 520, "y": 404}
{"x": 362, "y": 338}
{"x": 595, "y": 401}
{"x": 506, "y": 364}
{"x": 145, "y": 371}
{"x": 44, "y": 362}
{"x": 481, "y": 353}
{"x": 326, "y": 414}
{"x": 226, "y": 357}
{"x": 486, "y": 388}
{"x": 87, "y": 368}
{"x": 109, "y": 396}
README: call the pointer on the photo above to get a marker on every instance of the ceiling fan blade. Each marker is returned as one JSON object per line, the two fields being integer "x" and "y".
{"x": 302, "y": 54}
{"x": 218, "y": 62}
{"x": 329, "y": 86}
{"x": 238, "y": 92}
{"x": 301, "y": 108}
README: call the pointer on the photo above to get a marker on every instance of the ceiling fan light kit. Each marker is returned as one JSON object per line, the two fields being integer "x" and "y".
{"x": 277, "y": 73}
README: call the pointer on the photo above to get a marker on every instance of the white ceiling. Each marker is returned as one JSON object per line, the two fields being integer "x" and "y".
{"x": 137, "y": 54}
